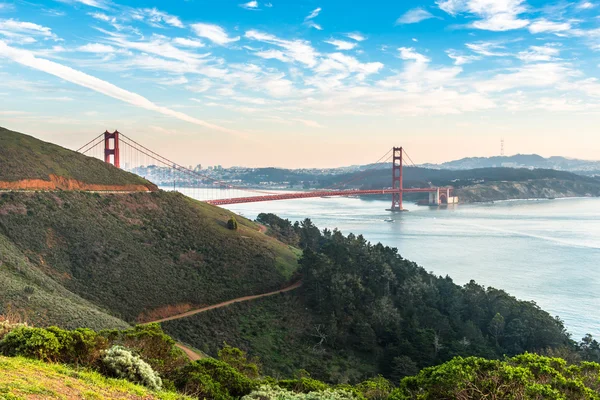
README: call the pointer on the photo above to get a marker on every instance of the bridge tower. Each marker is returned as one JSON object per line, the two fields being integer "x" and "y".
{"x": 114, "y": 151}
{"x": 397, "y": 179}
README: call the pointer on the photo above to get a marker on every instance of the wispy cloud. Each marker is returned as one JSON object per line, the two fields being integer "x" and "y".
{"x": 539, "y": 53}
{"x": 409, "y": 53}
{"x": 156, "y": 17}
{"x": 294, "y": 50}
{"x": 251, "y": 5}
{"x": 91, "y": 3}
{"x": 188, "y": 42}
{"x": 356, "y": 36}
{"x": 96, "y": 48}
{"x": 488, "y": 49}
{"x": 24, "y": 32}
{"x": 341, "y": 44}
{"x": 543, "y": 25}
{"x": 214, "y": 33}
{"x": 461, "y": 59}
{"x": 309, "y": 19}
{"x": 28, "y": 59}
{"x": 414, "y": 16}
{"x": 495, "y": 15}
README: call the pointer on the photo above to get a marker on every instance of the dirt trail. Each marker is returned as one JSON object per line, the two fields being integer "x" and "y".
{"x": 226, "y": 303}
{"x": 191, "y": 354}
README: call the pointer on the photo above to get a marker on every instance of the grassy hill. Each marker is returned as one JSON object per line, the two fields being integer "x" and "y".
{"x": 76, "y": 258}
{"x": 143, "y": 253}
{"x": 25, "y": 157}
{"x": 22, "y": 378}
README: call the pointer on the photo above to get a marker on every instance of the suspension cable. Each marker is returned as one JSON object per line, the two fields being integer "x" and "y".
{"x": 364, "y": 173}
{"x": 93, "y": 140}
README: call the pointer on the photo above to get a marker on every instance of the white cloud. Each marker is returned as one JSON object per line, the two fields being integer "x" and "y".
{"x": 543, "y": 25}
{"x": 91, "y": 3}
{"x": 188, "y": 42}
{"x": 488, "y": 49}
{"x": 529, "y": 76}
{"x": 341, "y": 44}
{"x": 460, "y": 59}
{"x": 539, "y": 53}
{"x": 313, "y": 14}
{"x": 585, "y": 5}
{"x": 96, "y": 48}
{"x": 356, "y": 36}
{"x": 102, "y": 17}
{"x": 68, "y": 74}
{"x": 409, "y": 54}
{"x": 156, "y": 17}
{"x": 414, "y": 16}
{"x": 496, "y": 15}
{"x": 251, "y": 5}
{"x": 214, "y": 33}
{"x": 24, "y": 32}
{"x": 296, "y": 50}
{"x": 273, "y": 54}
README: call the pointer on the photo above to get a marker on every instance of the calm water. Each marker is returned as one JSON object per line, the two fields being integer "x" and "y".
{"x": 547, "y": 251}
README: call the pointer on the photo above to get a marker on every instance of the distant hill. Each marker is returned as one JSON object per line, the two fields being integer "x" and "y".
{"x": 29, "y": 163}
{"x": 582, "y": 167}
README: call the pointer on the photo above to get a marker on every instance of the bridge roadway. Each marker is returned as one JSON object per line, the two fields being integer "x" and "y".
{"x": 320, "y": 193}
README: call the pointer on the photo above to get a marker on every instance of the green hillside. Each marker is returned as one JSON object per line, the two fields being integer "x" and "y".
{"x": 25, "y": 157}
{"x": 135, "y": 253}
{"x": 21, "y": 378}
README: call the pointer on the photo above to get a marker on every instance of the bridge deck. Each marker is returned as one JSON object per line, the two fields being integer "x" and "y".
{"x": 321, "y": 193}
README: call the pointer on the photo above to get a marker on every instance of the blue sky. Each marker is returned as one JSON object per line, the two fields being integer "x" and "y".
{"x": 306, "y": 83}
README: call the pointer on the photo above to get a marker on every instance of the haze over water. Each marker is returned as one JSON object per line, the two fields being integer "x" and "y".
{"x": 547, "y": 251}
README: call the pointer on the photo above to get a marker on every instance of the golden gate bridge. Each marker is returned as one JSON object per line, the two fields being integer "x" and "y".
{"x": 120, "y": 150}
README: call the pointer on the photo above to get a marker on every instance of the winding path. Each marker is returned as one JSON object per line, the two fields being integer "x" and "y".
{"x": 191, "y": 354}
{"x": 226, "y": 303}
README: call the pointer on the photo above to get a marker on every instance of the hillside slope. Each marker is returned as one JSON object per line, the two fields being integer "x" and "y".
{"x": 21, "y": 378}
{"x": 29, "y": 163}
{"x": 149, "y": 254}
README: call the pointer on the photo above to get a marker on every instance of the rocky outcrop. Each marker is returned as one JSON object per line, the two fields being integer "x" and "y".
{"x": 60, "y": 183}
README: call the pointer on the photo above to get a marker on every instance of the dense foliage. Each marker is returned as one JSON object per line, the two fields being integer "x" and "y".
{"x": 526, "y": 376}
{"x": 368, "y": 298}
{"x": 24, "y": 157}
{"x": 144, "y": 254}
{"x": 233, "y": 375}
{"x": 364, "y": 310}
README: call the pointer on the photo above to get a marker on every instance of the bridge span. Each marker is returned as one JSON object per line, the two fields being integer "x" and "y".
{"x": 118, "y": 149}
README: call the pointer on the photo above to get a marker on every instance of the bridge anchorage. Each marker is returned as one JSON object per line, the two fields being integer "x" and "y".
{"x": 118, "y": 149}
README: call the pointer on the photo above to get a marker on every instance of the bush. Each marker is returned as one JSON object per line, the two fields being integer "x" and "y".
{"x": 375, "y": 389}
{"x": 121, "y": 363}
{"x": 266, "y": 392}
{"x": 238, "y": 359}
{"x": 152, "y": 345}
{"x": 214, "y": 379}
{"x": 303, "y": 385}
{"x": 31, "y": 342}
{"x": 80, "y": 347}
{"x": 232, "y": 224}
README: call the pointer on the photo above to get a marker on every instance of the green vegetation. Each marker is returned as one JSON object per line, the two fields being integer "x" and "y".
{"x": 232, "y": 224}
{"x": 233, "y": 375}
{"x": 527, "y": 376}
{"x": 135, "y": 255}
{"x": 22, "y": 378}
{"x": 24, "y": 157}
{"x": 363, "y": 310}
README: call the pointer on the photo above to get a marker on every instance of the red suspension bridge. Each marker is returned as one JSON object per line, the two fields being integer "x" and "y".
{"x": 123, "y": 152}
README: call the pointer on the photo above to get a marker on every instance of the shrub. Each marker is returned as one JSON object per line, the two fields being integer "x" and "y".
{"x": 121, "y": 363}
{"x": 238, "y": 359}
{"x": 266, "y": 392}
{"x": 232, "y": 224}
{"x": 303, "y": 385}
{"x": 31, "y": 342}
{"x": 375, "y": 388}
{"x": 152, "y": 345}
{"x": 212, "y": 378}
{"x": 80, "y": 347}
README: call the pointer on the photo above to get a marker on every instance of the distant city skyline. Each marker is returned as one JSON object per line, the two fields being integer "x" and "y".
{"x": 307, "y": 84}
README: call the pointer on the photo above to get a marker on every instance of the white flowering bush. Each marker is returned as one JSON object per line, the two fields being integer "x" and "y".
{"x": 122, "y": 363}
{"x": 266, "y": 392}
